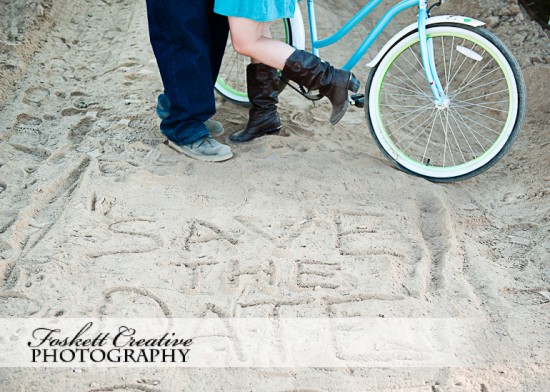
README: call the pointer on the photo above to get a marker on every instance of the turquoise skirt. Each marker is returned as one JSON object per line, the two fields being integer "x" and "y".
{"x": 258, "y": 10}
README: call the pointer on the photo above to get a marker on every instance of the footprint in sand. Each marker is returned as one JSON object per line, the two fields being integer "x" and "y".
{"x": 35, "y": 95}
{"x": 25, "y": 120}
{"x": 114, "y": 168}
{"x": 71, "y": 112}
{"x": 60, "y": 43}
{"x": 300, "y": 124}
{"x": 79, "y": 94}
{"x": 527, "y": 296}
{"x": 8, "y": 68}
{"x": 80, "y": 130}
{"x": 59, "y": 67}
{"x": 17, "y": 305}
{"x": 57, "y": 63}
{"x": 36, "y": 151}
{"x": 6, "y": 251}
{"x": 112, "y": 34}
{"x": 28, "y": 132}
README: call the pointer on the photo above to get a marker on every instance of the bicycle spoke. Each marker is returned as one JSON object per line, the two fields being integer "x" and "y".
{"x": 425, "y": 122}
{"x": 460, "y": 66}
{"x": 418, "y": 61}
{"x": 407, "y": 123}
{"x": 407, "y": 76}
{"x": 234, "y": 56}
{"x": 492, "y": 108}
{"x": 456, "y": 140}
{"x": 408, "y": 113}
{"x": 444, "y": 65}
{"x": 401, "y": 106}
{"x": 482, "y": 115}
{"x": 471, "y": 69}
{"x": 409, "y": 87}
{"x": 244, "y": 63}
{"x": 506, "y": 101}
{"x": 446, "y": 141}
{"x": 483, "y": 85}
{"x": 450, "y": 66}
{"x": 487, "y": 95}
{"x": 438, "y": 114}
{"x": 473, "y": 81}
{"x": 423, "y": 76}
{"x": 400, "y": 95}
{"x": 404, "y": 82}
{"x": 474, "y": 133}
{"x": 409, "y": 90}
{"x": 466, "y": 140}
{"x": 481, "y": 96}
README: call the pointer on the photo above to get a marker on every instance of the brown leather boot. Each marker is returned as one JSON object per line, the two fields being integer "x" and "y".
{"x": 308, "y": 70}
{"x": 263, "y": 92}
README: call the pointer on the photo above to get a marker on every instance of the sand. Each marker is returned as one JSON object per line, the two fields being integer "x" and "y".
{"x": 99, "y": 218}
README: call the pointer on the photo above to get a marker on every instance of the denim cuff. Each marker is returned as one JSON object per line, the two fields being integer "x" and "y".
{"x": 186, "y": 135}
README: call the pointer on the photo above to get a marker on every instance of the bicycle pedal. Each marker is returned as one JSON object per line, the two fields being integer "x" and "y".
{"x": 358, "y": 100}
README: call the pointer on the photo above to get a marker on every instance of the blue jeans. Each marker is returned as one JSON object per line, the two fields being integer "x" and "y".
{"x": 188, "y": 40}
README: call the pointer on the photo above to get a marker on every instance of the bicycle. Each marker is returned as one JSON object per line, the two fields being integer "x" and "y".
{"x": 445, "y": 98}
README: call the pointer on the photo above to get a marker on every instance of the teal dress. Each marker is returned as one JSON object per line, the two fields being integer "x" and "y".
{"x": 258, "y": 10}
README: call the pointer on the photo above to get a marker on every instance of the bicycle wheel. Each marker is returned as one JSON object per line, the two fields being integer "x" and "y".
{"x": 231, "y": 82}
{"x": 487, "y": 104}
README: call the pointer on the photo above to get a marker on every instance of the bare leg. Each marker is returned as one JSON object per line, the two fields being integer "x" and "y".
{"x": 249, "y": 39}
{"x": 266, "y": 32}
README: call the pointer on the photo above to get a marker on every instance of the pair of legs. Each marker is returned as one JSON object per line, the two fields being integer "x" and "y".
{"x": 252, "y": 39}
{"x": 189, "y": 47}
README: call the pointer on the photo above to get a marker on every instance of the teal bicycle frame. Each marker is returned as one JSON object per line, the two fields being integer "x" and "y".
{"x": 426, "y": 45}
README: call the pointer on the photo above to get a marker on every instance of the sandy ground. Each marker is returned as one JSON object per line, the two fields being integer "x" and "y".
{"x": 98, "y": 217}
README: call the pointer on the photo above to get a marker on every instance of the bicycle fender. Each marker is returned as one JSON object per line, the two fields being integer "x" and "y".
{"x": 298, "y": 30}
{"x": 412, "y": 27}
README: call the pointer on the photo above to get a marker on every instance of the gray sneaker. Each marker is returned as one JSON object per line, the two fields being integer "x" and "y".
{"x": 204, "y": 149}
{"x": 215, "y": 128}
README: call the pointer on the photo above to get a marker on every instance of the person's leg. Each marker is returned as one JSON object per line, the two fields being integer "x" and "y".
{"x": 266, "y": 32}
{"x": 181, "y": 40}
{"x": 219, "y": 28}
{"x": 248, "y": 39}
{"x": 262, "y": 84}
{"x": 297, "y": 65}
{"x": 263, "y": 90}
